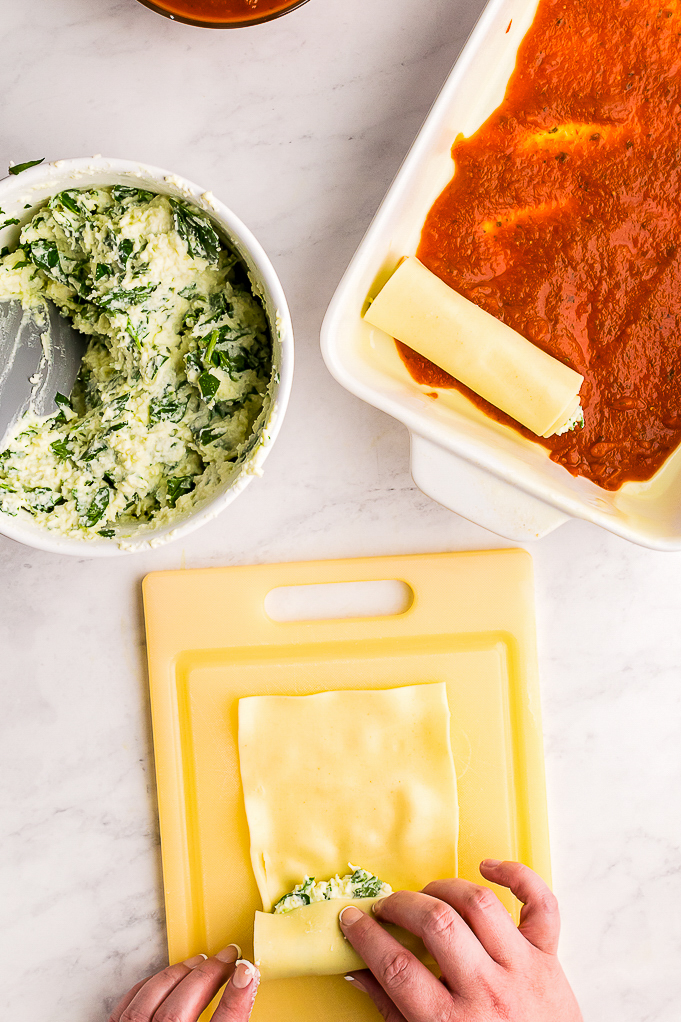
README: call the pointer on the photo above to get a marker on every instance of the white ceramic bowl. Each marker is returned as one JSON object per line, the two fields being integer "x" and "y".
{"x": 20, "y": 196}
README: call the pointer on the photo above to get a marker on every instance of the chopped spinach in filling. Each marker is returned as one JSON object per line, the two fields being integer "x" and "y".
{"x": 358, "y": 884}
{"x": 174, "y": 383}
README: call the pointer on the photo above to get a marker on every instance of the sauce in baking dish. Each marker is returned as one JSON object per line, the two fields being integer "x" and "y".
{"x": 226, "y": 11}
{"x": 563, "y": 221}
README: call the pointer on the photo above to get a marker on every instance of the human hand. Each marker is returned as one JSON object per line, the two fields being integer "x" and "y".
{"x": 491, "y": 969}
{"x": 182, "y": 992}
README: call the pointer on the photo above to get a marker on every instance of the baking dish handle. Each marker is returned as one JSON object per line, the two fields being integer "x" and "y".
{"x": 476, "y": 494}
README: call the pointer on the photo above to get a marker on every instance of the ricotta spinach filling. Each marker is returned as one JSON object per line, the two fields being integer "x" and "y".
{"x": 575, "y": 420}
{"x": 174, "y": 384}
{"x": 358, "y": 884}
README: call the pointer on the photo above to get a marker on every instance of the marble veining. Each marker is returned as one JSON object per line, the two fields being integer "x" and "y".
{"x": 299, "y": 125}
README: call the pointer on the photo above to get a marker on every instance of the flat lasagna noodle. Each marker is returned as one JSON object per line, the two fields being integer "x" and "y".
{"x": 365, "y": 777}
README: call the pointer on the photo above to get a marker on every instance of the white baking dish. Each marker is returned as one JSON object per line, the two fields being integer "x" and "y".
{"x": 482, "y": 470}
{"x": 20, "y": 196}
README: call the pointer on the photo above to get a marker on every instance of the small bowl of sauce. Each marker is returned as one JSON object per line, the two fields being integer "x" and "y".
{"x": 222, "y": 13}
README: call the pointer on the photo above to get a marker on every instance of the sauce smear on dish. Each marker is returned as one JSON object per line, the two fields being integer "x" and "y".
{"x": 563, "y": 218}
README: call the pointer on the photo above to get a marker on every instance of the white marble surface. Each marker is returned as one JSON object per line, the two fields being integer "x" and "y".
{"x": 299, "y": 125}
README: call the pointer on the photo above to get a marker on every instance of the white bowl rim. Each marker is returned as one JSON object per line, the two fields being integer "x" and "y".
{"x": 42, "y": 176}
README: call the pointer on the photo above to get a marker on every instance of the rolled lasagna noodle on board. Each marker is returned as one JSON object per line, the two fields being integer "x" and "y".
{"x": 480, "y": 351}
{"x": 338, "y": 777}
{"x": 308, "y": 941}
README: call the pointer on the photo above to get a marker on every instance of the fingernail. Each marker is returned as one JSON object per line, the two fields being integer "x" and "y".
{"x": 191, "y": 963}
{"x": 244, "y": 974}
{"x": 376, "y": 905}
{"x": 229, "y": 954}
{"x": 349, "y": 915}
{"x": 356, "y": 982}
{"x": 491, "y": 863}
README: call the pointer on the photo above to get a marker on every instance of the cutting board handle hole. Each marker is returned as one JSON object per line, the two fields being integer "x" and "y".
{"x": 339, "y": 600}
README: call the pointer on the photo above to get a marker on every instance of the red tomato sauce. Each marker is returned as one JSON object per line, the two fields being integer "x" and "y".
{"x": 563, "y": 220}
{"x": 225, "y": 11}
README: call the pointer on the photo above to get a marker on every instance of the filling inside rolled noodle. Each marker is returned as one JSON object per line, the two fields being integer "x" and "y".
{"x": 358, "y": 884}
{"x": 302, "y": 936}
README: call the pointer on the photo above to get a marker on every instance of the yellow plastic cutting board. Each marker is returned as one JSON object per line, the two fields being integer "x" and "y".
{"x": 210, "y": 642}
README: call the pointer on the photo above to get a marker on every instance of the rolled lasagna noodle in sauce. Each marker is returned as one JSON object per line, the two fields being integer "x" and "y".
{"x": 349, "y": 776}
{"x": 480, "y": 351}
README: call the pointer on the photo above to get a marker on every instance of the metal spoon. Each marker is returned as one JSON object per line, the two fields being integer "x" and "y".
{"x": 30, "y": 377}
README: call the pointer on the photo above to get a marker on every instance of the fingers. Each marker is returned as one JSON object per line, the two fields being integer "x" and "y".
{"x": 412, "y": 988}
{"x": 142, "y": 1001}
{"x": 125, "y": 1001}
{"x": 236, "y": 1004}
{"x": 484, "y": 914}
{"x": 368, "y": 984}
{"x": 539, "y": 918}
{"x": 189, "y": 999}
{"x": 458, "y": 952}
{"x": 179, "y": 993}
